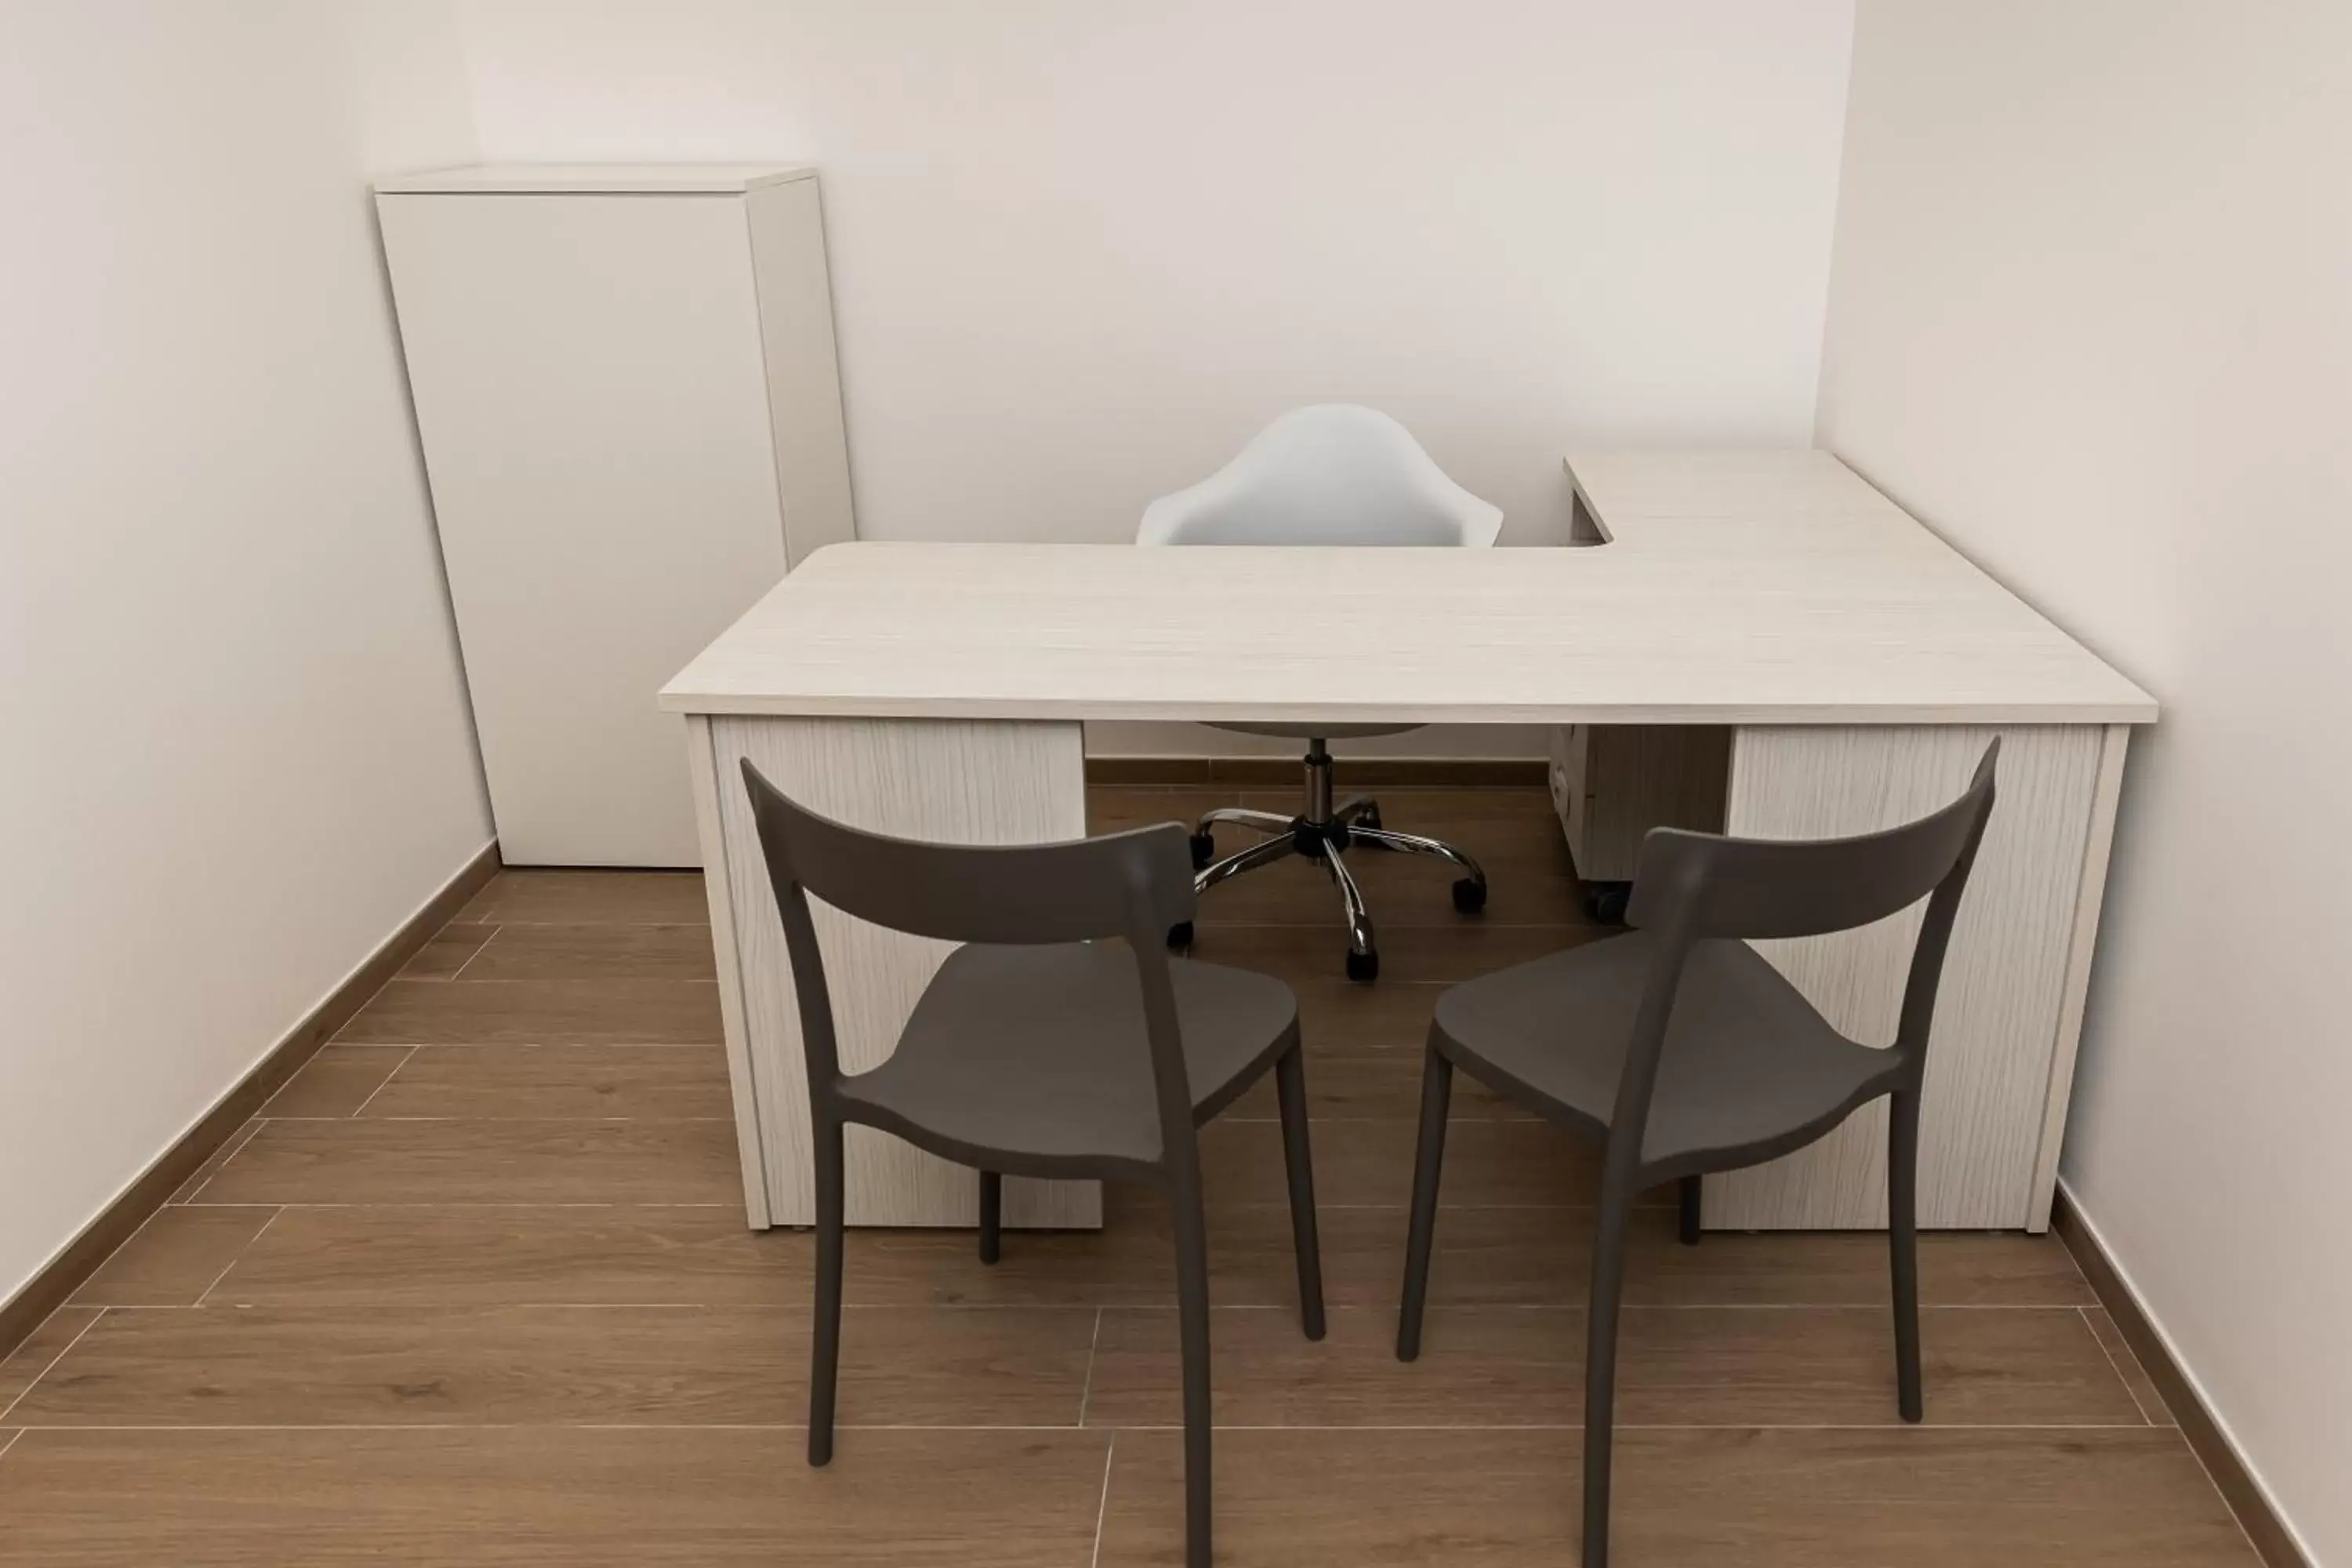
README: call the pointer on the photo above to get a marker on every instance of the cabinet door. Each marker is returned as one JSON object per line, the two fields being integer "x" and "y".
{"x": 589, "y": 386}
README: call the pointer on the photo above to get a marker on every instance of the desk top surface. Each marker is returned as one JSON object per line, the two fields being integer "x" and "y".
{"x": 1736, "y": 587}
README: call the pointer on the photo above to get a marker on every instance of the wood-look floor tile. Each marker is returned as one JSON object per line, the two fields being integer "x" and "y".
{"x": 431, "y": 1257}
{"x": 336, "y": 1081}
{"x": 1925, "y": 1498}
{"x": 33, "y": 1356}
{"x": 534, "y": 951}
{"x": 1513, "y": 835}
{"x": 1510, "y": 1367}
{"x": 1400, "y": 890}
{"x": 1338, "y": 1016}
{"x": 541, "y": 1365}
{"x": 2022, "y": 1366}
{"x": 580, "y": 1012}
{"x": 1408, "y": 955}
{"x": 427, "y": 1257}
{"x": 549, "y": 1499}
{"x": 1359, "y": 1163}
{"x": 450, "y": 950}
{"x": 1118, "y": 808}
{"x": 2143, "y": 1388}
{"x": 1499, "y": 1256}
{"x": 370, "y": 1161}
{"x": 555, "y": 1082}
{"x": 1361, "y": 1086}
{"x": 175, "y": 1257}
{"x": 590, "y": 898}
{"x": 1132, "y": 1260}
{"x": 629, "y": 1254}
{"x": 203, "y": 1173}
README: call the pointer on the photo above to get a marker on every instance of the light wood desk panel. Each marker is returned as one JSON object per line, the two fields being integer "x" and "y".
{"x": 1853, "y": 654}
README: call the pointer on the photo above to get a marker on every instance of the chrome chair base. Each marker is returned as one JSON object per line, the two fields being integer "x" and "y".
{"x": 1327, "y": 833}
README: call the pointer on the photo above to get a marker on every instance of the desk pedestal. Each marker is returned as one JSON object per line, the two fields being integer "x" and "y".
{"x": 1999, "y": 1065}
{"x": 2000, "y": 1062}
{"x": 954, "y": 780}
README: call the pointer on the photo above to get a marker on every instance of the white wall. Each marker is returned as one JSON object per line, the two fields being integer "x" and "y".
{"x": 1082, "y": 250}
{"x": 237, "y": 751}
{"x": 2092, "y": 317}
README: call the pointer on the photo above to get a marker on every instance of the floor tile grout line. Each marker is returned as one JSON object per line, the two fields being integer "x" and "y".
{"x": 1087, "y": 1389}
{"x": 1456, "y": 924}
{"x": 332, "y": 1307}
{"x": 360, "y": 1109}
{"x": 228, "y": 1151}
{"x": 9, "y": 1441}
{"x": 501, "y": 1121}
{"x": 533, "y": 1045}
{"x": 1890, "y": 1427}
{"x": 1891, "y": 1424}
{"x": 564, "y": 1045}
{"x": 736, "y": 1204}
{"x": 250, "y": 1242}
{"x": 458, "y": 972}
{"x": 1102, "y": 1505}
{"x": 493, "y": 927}
{"x": 503, "y": 921}
{"x": 120, "y": 1247}
{"x": 51, "y": 1365}
{"x": 2121, "y": 1376}
{"x": 1577, "y": 1304}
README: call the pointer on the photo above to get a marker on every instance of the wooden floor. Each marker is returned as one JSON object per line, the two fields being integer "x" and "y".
{"x": 474, "y": 1288}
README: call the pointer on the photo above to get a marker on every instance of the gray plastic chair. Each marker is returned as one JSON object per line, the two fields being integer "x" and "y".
{"x": 1051, "y": 1052}
{"x": 1682, "y": 1050}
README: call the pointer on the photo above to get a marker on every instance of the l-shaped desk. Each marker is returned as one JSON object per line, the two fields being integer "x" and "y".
{"x": 1760, "y": 641}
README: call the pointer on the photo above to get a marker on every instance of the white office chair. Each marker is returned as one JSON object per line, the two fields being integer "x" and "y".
{"x": 1332, "y": 474}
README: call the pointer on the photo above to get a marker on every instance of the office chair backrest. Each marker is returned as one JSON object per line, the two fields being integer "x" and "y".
{"x": 1335, "y": 473}
{"x": 1133, "y": 885}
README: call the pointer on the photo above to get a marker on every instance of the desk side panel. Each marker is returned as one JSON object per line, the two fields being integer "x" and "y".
{"x": 742, "y": 1086}
{"x": 2002, "y": 1005}
{"x": 955, "y": 780}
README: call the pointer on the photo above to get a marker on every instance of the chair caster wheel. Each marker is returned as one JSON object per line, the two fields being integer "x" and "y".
{"x": 1205, "y": 849}
{"x": 1469, "y": 897}
{"x": 1179, "y": 936}
{"x": 1606, "y": 901}
{"x": 1369, "y": 817}
{"x": 1363, "y": 965}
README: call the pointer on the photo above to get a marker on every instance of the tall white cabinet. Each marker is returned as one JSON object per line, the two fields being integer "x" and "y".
{"x": 626, "y": 387}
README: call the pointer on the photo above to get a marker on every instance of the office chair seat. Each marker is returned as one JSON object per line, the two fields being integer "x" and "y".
{"x": 1295, "y": 731}
{"x": 1034, "y": 1055}
{"x": 1749, "y": 1067}
{"x": 1335, "y": 473}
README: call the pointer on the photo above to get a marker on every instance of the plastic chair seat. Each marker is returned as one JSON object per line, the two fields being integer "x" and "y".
{"x": 1749, "y": 1067}
{"x": 1037, "y": 1055}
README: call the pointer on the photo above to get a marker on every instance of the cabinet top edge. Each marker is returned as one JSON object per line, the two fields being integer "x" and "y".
{"x": 593, "y": 179}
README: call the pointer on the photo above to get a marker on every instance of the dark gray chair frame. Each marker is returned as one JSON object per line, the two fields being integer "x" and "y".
{"x": 1688, "y": 888}
{"x": 1132, "y": 884}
